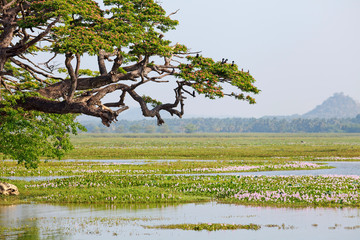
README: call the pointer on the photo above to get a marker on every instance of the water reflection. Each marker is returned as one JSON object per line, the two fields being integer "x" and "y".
{"x": 114, "y": 222}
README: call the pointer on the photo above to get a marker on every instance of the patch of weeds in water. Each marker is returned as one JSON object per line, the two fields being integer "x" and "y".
{"x": 19, "y": 232}
{"x": 207, "y": 226}
{"x": 353, "y": 227}
{"x": 290, "y": 191}
{"x": 282, "y": 226}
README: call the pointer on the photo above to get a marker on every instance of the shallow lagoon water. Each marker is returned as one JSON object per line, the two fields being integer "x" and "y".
{"x": 127, "y": 222}
{"x": 43, "y": 221}
{"x": 340, "y": 168}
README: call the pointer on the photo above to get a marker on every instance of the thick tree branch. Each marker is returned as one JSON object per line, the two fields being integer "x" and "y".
{"x": 48, "y": 106}
{"x": 86, "y": 83}
{"x": 8, "y": 19}
{"x": 155, "y": 112}
{"x": 101, "y": 62}
{"x": 73, "y": 75}
{"x": 106, "y": 90}
{"x": 119, "y": 103}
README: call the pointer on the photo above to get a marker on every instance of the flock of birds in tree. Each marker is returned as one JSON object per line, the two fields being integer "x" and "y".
{"x": 223, "y": 61}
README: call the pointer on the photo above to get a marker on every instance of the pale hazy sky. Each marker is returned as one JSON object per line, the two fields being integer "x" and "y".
{"x": 300, "y": 52}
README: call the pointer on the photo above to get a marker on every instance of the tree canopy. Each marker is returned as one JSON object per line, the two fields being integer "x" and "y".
{"x": 126, "y": 40}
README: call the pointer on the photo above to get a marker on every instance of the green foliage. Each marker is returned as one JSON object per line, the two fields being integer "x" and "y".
{"x": 27, "y": 136}
{"x": 26, "y": 81}
{"x": 82, "y": 72}
{"x": 151, "y": 101}
{"x": 207, "y": 77}
{"x": 138, "y": 27}
{"x": 86, "y": 28}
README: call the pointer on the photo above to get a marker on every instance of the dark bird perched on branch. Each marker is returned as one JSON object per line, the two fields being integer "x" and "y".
{"x": 232, "y": 64}
{"x": 223, "y": 61}
{"x": 197, "y": 55}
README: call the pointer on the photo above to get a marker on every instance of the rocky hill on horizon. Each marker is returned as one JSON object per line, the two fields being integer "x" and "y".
{"x": 337, "y": 106}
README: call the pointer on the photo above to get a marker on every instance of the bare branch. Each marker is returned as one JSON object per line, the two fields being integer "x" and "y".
{"x": 7, "y": 6}
{"x": 32, "y": 71}
{"x": 104, "y": 91}
{"x": 5, "y": 85}
{"x": 50, "y": 67}
{"x": 155, "y": 79}
{"x": 119, "y": 103}
{"x": 121, "y": 109}
{"x": 155, "y": 112}
{"x": 173, "y": 13}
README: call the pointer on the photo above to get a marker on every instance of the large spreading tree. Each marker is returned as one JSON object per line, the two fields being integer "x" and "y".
{"x": 45, "y": 44}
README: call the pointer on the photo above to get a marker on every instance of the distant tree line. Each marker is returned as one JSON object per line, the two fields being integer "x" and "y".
{"x": 231, "y": 125}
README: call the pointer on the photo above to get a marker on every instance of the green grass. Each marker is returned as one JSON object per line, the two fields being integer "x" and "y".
{"x": 214, "y": 146}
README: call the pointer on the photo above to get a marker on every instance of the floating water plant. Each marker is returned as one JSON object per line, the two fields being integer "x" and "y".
{"x": 207, "y": 226}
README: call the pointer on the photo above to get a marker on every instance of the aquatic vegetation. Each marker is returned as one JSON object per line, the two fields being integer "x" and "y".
{"x": 21, "y": 232}
{"x": 207, "y": 226}
{"x": 282, "y": 226}
{"x": 324, "y": 190}
{"x": 352, "y": 227}
{"x": 314, "y": 190}
{"x": 56, "y": 168}
{"x": 265, "y": 167}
